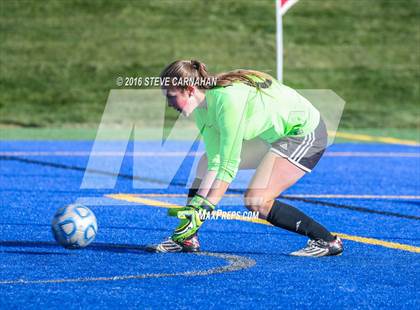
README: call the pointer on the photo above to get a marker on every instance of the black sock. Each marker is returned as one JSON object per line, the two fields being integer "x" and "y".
{"x": 194, "y": 189}
{"x": 289, "y": 218}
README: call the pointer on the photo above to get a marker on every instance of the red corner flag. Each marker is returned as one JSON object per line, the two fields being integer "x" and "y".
{"x": 286, "y": 4}
{"x": 281, "y": 8}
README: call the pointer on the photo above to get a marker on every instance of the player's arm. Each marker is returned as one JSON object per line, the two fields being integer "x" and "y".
{"x": 218, "y": 190}
{"x": 212, "y": 141}
{"x": 230, "y": 117}
{"x": 207, "y": 183}
{"x": 222, "y": 168}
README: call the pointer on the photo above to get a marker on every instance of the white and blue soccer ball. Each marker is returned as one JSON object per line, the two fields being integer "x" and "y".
{"x": 74, "y": 226}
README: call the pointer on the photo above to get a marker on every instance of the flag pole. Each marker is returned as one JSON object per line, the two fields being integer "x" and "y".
{"x": 279, "y": 41}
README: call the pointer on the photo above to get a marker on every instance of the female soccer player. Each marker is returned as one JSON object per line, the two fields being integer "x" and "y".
{"x": 244, "y": 107}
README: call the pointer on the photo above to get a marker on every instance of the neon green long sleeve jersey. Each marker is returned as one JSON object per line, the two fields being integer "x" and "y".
{"x": 240, "y": 112}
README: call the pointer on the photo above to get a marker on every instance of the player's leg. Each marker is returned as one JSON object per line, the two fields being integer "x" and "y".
{"x": 274, "y": 175}
{"x": 283, "y": 166}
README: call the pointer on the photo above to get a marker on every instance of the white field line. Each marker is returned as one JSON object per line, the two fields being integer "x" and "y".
{"x": 180, "y": 154}
{"x": 341, "y": 196}
{"x": 234, "y": 263}
{"x": 104, "y": 154}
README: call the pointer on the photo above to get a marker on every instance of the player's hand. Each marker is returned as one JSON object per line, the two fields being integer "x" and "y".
{"x": 197, "y": 203}
{"x": 191, "y": 217}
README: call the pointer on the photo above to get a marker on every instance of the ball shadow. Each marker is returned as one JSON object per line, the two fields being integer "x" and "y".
{"x": 100, "y": 247}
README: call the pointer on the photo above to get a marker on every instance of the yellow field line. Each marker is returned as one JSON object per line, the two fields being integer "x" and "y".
{"x": 361, "y": 137}
{"x": 297, "y": 196}
{"x": 161, "y": 204}
{"x": 144, "y": 201}
{"x": 373, "y": 154}
{"x": 387, "y": 244}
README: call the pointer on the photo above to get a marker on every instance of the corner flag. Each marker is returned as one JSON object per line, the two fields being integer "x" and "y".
{"x": 281, "y": 8}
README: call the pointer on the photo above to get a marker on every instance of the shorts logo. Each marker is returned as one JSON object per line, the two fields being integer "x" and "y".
{"x": 283, "y": 146}
{"x": 303, "y": 147}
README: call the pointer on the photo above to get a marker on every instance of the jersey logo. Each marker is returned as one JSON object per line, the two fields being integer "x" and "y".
{"x": 297, "y": 225}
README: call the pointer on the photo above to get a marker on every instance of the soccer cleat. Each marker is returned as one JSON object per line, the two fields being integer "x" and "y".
{"x": 170, "y": 246}
{"x": 318, "y": 248}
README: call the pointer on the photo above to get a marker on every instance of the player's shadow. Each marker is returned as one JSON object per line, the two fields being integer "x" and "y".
{"x": 406, "y": 201}
{"x": 34, "y": 252}
{"x": 27, "y": 248}
{"x": 52, "y": 248}
{"x": 102, "y": 227}
{"x": 265, "y": 253}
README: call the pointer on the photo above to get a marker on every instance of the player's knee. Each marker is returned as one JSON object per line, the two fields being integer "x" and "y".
{"x": 254, "y": 200}
{"x": 257, "y": 201}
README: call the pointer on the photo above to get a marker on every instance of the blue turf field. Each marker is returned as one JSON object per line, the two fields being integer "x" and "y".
{"x": 360, "y": 190}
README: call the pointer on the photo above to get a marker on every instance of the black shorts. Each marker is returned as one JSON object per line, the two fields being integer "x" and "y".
{"x": 304, "y": 152}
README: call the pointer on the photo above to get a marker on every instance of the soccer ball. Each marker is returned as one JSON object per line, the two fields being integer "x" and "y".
{"x": 74, "y": 226}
